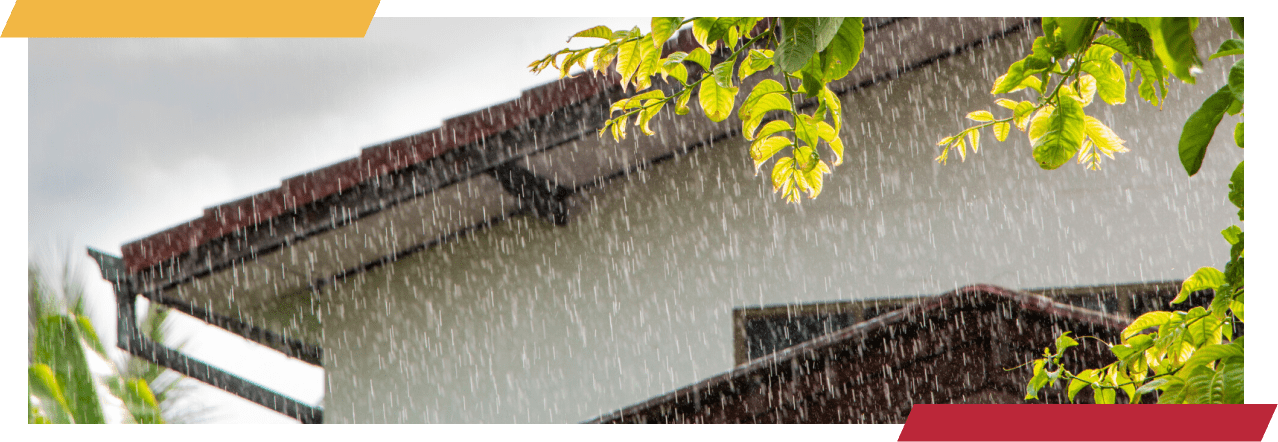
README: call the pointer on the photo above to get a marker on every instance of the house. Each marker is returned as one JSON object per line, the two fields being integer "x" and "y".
{"x": 960, "y": 347}
{"x": 512, "y": 266}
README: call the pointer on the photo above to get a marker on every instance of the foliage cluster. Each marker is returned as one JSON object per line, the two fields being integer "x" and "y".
{"x": 1186, "y": 356}
{"x": 805, "y": 53}
{"x": 62, "y": 387}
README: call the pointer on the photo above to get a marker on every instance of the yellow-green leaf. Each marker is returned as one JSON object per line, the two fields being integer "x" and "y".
{"x": 1021, "y": 115}
{"x": 652, "y": 107}
{"x": 699, "y": 56}
{"x": 781, "y": 172}
{"x": 635, "y": 101}
{"x": 681, "y": 103}
{"x": 1087, "y": 89}
{"x": 663, "y": 28}
{"x": 649, "y": 57}
{"x": 1001, "y": 130}
{"x": 1203, "y": 279}
{"x": 831, "y": 101}
{"x": 831, "y": 137}
{"x": 595, "y": 32}
{"x": 757, "y": 60}
{"x": 1009, "y": 104}
{"x": 981, "y": 115}
{"x": 815, "y": 178}
{"x": 1147, "y": 320}
{"x": 701, "y": 28}
{"x": 1104, "y": 138}
{"x": 765, "y": 148}
{"x": 716, "y": 101}
{"x": 759, "y": 108}
{"x": 629, "y": 57}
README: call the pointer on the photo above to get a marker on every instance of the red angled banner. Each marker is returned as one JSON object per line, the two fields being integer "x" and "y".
{"x": 1081, "y": 422}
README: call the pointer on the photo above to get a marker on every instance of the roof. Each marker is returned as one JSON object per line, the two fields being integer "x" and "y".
{"x": 953, "y": 348}
{"x": 528, "y": 155}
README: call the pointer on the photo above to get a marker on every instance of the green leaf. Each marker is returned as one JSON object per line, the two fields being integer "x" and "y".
{"x": 813, "y": 77}
{"x": 826, "y": 28}
{"x": 722, "y": 29}
{"x": 1200, "y": 127}
{"x": 1232, "y": 380}
{"x": 798, "y": 43}
{"x": 1173, "y": 392}
{"x": 1237, "y": 24}
{"x": 1211, "y": 353}
{"x": 140, "y": 401}
{"x": 1202, "y": 381}
{"x": 90, "y": 335}
{"x": 1037, "y": 381}
{"x": 1082, "y": 379}
{"x": 1064, "y": 342}
{"x": 1229, "y": 47}
{"x": 42, "y": 384}
{"x": 1076, "y": 32}
{"x": 1147, "y": 320}
{"x": 1203, "y": 279}
{"x": 1062, "y": 135}
{"x": 596, "y": 32}
{"x": 663, "y": 28}
{"x": 1174, "y": 43}
{"x": 1236, "y": 188}
{"x": 1238, "y": 134}
{"x": 806, "y": 130}
{"x": 1150, "y": 386}
{"x": 716, "y": 101}
{"x": 58, "y": 345}
{"x": 1153, "y": 86}
{"x": 1019, "y": 71}
{"x": 1104, "y": 395}
{"x": 844, "y": 51}
{"x": 1236, "y": 80}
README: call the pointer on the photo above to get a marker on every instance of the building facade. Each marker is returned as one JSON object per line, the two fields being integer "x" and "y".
{"x": 512, "y": 267}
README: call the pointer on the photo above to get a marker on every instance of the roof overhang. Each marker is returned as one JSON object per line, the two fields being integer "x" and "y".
{"x": 261, "y": 255}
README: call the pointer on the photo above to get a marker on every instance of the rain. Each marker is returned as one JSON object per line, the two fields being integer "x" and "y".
{"x": 443, "y": 293}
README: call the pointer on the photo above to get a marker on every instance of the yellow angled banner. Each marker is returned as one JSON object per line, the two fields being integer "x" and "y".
{"x": 190, "y": 18}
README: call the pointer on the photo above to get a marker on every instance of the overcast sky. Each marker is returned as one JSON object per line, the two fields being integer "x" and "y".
{"x": 128, "y": 137}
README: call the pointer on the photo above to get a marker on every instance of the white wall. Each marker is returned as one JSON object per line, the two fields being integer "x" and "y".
{"x": 526, "y": 322}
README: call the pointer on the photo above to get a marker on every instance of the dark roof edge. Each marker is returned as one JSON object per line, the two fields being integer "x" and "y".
{"x": 976, "y": 292}
{"x": 372, "y": 162}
